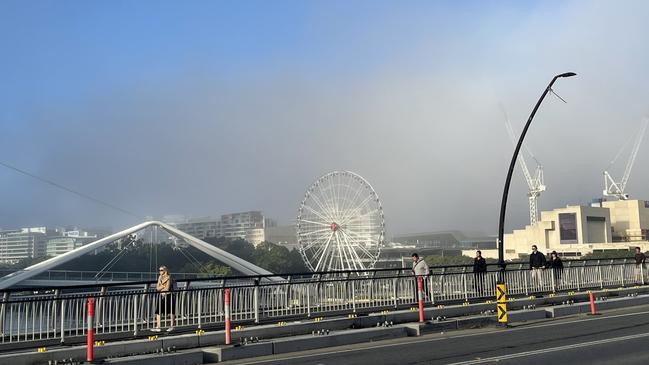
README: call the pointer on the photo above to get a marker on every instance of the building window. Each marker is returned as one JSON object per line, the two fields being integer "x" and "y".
{"x": 568, "y": 227}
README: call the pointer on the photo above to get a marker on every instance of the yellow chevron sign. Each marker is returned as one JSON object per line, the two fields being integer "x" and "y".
{"x": 501, "y": 303}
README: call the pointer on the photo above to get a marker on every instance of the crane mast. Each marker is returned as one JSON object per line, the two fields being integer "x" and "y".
{"x": 535, "y": 183}
{"x": 614, "y": 188}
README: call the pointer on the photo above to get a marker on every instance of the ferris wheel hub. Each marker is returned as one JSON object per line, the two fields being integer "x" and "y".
{"x": 334, "y": 227}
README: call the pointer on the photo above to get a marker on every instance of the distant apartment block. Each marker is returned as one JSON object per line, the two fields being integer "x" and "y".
{"x": 68, "y": 241}
{"x": 40, "y": 242}
{"x": 23, "y": 243}
{"x": 249, "y": 226}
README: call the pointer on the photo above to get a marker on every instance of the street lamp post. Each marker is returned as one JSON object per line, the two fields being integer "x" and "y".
{"x": 503, "y": 205}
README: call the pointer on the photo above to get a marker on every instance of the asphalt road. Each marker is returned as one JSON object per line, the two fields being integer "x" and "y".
{"x": 616, "y": 337}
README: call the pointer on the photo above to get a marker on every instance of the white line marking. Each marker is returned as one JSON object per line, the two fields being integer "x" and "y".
{"x": 548, "y": 350}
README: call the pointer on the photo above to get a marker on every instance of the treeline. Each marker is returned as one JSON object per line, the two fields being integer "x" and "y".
{"x": 137, "y": 256}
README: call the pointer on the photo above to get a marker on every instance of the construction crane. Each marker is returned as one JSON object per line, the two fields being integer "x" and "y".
{"x": 535, "y": 183}
{"x": 616, "y": 189}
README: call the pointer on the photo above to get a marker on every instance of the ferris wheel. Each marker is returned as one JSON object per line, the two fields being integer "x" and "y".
{"x": 340, "y": 223}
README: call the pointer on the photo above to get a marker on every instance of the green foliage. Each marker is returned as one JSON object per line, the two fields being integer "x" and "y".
{"x": 141, "y": 257}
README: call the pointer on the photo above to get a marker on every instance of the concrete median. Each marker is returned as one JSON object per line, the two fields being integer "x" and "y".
{"x": 310, "y": 342}
{"x": 218, "y": 354}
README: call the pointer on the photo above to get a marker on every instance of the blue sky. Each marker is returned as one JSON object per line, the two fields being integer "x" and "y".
{"x": 207, "y": 107}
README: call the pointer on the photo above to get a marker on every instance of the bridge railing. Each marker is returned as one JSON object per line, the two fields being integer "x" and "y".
{"x": 61, "y": 313}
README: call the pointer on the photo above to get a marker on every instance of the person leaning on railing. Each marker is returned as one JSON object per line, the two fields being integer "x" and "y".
{"x": 640, "y": 259}
{"x": 420, "y": 269}
{"x": 556, "y": 265}
{"x": 537, "y": 264}
{"x": 479, "y": 272}
{"x": 165, "y": 303}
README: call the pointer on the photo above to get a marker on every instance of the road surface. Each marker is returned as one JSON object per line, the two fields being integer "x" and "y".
{"x": 616, "y": 337}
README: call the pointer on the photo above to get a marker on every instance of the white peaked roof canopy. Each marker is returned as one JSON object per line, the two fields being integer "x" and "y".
{"x": 224, "y": 257}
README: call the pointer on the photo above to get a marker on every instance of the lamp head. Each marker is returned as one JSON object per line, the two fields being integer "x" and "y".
{"x": 567, "y": 74}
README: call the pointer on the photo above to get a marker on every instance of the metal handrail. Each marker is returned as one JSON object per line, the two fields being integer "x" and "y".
{"x": 308, "y": 275}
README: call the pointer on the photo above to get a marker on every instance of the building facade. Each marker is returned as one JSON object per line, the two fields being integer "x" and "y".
{"x": 68, "y": 241}
{"x": 575, "y": 231}
{"x": 249, "y": 226}
{"x": 23, "y": 243}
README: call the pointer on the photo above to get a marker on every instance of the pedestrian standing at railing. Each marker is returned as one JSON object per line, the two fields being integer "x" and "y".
{"x": 420, "y": 269}
{"x": 640, "y": 259}
{"x": 537, "y": 264}
{"x": 165, "y": 302}
{"x": 556, "y": 265}
{"x": 479, "y": 272}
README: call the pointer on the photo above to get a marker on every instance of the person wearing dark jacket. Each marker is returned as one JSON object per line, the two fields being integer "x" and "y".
{"x": 537, "y": 264}
{"x": 556, "y": 266}
{"x": 479, "y": 272}
{"x": 640, "y": 259}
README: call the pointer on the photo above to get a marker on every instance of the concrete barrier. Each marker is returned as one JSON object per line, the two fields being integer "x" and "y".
{"x": 310, "y": 342}
{"x": 181, "y": 342}
{"x": 566, "y": 310}
{"x": 476, "y": 322}
{"x": 526, "y": 315}
{"x": 218, "y": 354}
{"x": 30, "y": 358}
{"x": 117, "y": 349}
{"x": 194, "y": 357}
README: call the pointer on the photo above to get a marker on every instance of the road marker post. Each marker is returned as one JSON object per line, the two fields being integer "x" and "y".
{"x": 501, "y": 303}
{"x": 420, "y": 291}
{"x": 591, "y": 297}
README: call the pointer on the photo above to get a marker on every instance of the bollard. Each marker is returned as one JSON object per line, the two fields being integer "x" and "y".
{"x": 420, "y": 290}
{"x": 91, "y": 335}
{"x": 592, "y": 303}
{"x": 226, "y": 295}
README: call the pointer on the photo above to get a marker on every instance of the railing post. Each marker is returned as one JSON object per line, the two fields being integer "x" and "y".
{"x": 642, "y": 273}
{"x": 554, "y": 287}
{"x": 256, "y": 300}
{"x": 622, "y": 273}
{"x": 3, "y": 311}
{"x": 583, "y": 268}
{"x": 55, "y": 323}
{"x": 466, "y": 291}
{"x": 430, "y": 287}
{"x": 226, "y": 300}
{"x": 136, "y": 307}
{"x": 62, "y": 321}
{"x": 100, "y": 306}
{"x": 308, "y": 299}
{"x": 395, "y": 292}
{"x": 525, "y": 275}
{"x": 353, "y": 295}
{"x": 441, "y": 281}
{"x": 200, "y": 308}
{"x": 599, "y": 273}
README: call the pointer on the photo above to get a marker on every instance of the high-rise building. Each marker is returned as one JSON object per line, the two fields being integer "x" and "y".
{"x": 24, "y": 243}
{"x": 68, "y": 241}
{"x": 245, "y": 225}
{"x": 201, "y": 227}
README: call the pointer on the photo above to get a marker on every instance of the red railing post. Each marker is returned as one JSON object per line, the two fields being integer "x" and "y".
{"x": 91, "y": 330}
{"x": 226, "y": 296}
{"x": 420, "y": 291}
